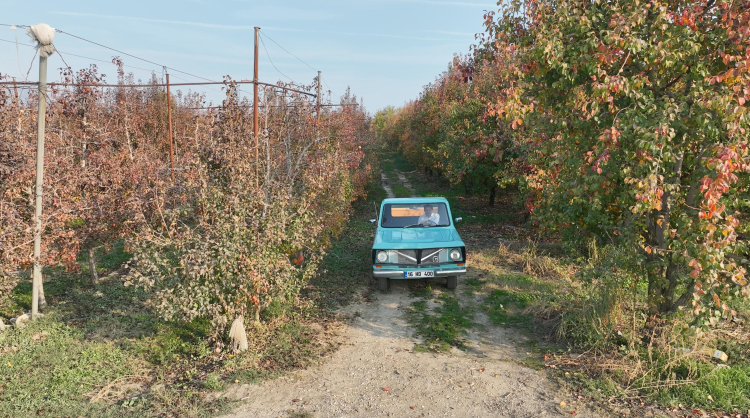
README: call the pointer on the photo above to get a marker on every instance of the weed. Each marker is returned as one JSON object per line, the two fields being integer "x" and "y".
{"x": 442, "y": 329}
{"x": 213, "y": 382}
{"x": 540, "y": 265}
{"x": 505, "y": 307}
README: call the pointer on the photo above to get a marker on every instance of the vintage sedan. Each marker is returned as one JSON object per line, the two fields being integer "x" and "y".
{"x": 416, "y": 239}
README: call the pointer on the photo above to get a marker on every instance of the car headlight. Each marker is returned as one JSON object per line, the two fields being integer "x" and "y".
{"x": 382, "y": 256}
{"x": 455, "y": 254}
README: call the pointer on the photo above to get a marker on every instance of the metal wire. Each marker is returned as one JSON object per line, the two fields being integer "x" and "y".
{"x": 81, "y": 56}
{"x": 130, "y": 55}
{"x": 274, "y": 65}
{"x": 300, "y": 59}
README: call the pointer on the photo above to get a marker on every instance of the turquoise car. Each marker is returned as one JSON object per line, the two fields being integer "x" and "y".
{"x": 416, "y": 239}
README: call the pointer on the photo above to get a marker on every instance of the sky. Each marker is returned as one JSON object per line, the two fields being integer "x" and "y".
{"x": 384, "y": 50}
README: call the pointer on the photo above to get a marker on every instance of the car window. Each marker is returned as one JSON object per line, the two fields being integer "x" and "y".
{"x": 414, "y": 215}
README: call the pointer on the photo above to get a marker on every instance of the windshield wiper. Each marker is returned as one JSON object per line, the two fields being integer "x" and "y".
{"x": 415, "y": 225}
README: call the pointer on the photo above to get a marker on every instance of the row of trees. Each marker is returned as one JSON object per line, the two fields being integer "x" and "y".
{"x": 221, "y": 235}
{"x": 626, "y": 122}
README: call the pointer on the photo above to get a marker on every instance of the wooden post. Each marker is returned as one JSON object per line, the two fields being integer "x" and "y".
{"x": 15, "y": 90}
{"x": 319, "y": 81}
{"x": 169, "y": 120}
{"x": 41, "y": 114}
{"x": 255, "y": 103}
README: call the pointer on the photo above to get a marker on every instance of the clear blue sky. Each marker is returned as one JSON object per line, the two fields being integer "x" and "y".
{"x": 386, "y": 50}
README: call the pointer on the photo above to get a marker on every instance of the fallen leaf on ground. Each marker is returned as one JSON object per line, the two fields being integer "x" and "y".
{"x": 386, "y": 389}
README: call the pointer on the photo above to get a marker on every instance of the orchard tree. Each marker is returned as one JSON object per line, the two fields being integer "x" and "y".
{"x": 636, "y": 117}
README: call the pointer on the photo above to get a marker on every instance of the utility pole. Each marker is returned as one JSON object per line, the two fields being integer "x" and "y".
{"x": 169, "y": 120}
{"x": 255, "y": 91}
{"x": 255, "y": 103}
{"x": 15, "y": 90}
{"x": 44, "y": 52}
{"x": 41, "y": 114}
{"x": 319, "y": 81}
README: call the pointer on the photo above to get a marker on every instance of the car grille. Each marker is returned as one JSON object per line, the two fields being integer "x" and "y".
{"x": 433, "y": 256}
{"x": 405, "y": 256}
{"x": 426, "y": 257}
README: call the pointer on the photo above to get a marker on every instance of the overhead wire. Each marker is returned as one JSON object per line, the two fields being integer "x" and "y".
{"x": 187, "y": 81}
{"x": 100, "y": 60}
{"x": 131, "y": 55}
{"x": 18, "y": 54}
{"x": 298, "y": 58}
{"x": 13, "y": 42}
{"x": 155, "y": 63}
{"x": 81, "y": 56}
{"x": 274, "y": 65}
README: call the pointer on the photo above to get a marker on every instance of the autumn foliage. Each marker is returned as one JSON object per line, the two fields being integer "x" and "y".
{"x": 626, "y": 123}
{"x": 221, "y": 235}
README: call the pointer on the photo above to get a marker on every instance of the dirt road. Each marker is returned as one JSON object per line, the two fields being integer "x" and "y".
{"x": 377, "y": 373}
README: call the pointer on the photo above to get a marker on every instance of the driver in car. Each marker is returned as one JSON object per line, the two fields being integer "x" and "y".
{"x": 429, "y": 218}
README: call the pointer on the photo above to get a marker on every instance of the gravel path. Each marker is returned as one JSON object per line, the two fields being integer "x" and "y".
{"x": 376, "y": 373}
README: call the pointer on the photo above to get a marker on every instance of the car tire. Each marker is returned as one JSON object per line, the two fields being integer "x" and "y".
{"x": 452, "y": 282}
{"x": 383, "y": 284}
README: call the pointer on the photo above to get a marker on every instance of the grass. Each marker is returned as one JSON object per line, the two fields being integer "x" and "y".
{"x": 400, "y": 191}
{"x": 401, "y": 163}
{"x": 444, "y": 327}
{"x": 505, "y": 307}
{"x": 53, "y": 369}
{"x": 724, "y": 389}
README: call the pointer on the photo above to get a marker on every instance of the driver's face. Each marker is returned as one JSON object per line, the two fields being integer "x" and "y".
{"x": 428, "y": 210}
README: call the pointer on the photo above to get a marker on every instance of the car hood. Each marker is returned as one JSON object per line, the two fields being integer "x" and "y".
{"x": 416, "y": 238}
{"x": 416, "y": 235}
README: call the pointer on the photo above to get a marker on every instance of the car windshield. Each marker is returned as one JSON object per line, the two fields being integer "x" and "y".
{"x": 414, "y": 215}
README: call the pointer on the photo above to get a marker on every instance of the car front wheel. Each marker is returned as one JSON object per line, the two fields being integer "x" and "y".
{"x": 383, "y": 283}
{"x": 452, "y": 282}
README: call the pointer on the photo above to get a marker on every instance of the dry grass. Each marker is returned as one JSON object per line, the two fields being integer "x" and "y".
{"x": 121, "y": 388}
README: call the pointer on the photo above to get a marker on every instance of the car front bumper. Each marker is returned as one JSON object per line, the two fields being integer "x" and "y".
{"x": 399, "y": 274}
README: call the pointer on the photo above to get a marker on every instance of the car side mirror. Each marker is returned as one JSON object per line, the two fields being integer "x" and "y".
{"x": 373, "y": 221}
{"x": 459, "y": 219}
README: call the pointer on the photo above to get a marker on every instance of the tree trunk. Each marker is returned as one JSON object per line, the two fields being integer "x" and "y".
{"x": 42, "y": 300}
{"x": 493, "y": 189}
{"x": 468, "y": 187}
{"x": 92, "y": 266}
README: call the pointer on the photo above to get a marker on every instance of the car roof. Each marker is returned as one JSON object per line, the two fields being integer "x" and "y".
{"x": 416, "y": 200}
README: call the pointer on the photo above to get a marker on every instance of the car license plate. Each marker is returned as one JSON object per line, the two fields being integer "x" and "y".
{"x": 418, "y": 274}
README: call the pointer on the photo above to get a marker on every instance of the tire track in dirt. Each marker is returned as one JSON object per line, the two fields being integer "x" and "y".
{"x": 405, "y": 182}
{"x": 386, "y": 185}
